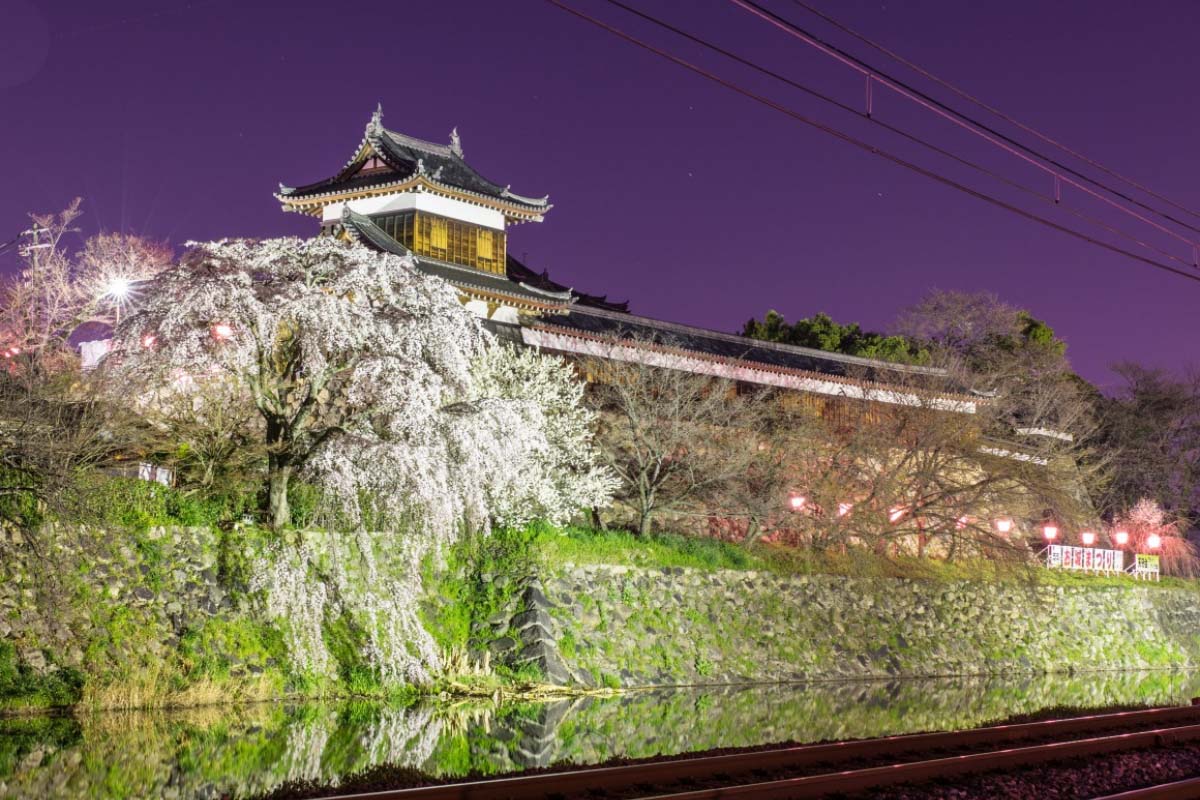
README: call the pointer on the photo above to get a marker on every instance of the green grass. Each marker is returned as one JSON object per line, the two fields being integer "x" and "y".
{"x": 583, "y": 546}
{"x": 586, "y": 546}
{"x": 20, "y": 687}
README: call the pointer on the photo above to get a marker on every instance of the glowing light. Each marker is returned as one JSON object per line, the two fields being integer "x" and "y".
{"x": 1121, "y": 537}
{"x": 1004, "y": 525}
{"x": 1154, "y": 541}
{"x": 896, "y": 513}
{"x": 797, "y": 502}
{"x": 962, "y": 522}
{"x": 222, "y": 330}
{"x": 148, "y": 340}
{"x": 118, "y": 288}
{"x": 1050, "y": 532}
{"x": 1088, "y": 538}
{"x": 844, "y": 508}
{"x": 16, "y": 351}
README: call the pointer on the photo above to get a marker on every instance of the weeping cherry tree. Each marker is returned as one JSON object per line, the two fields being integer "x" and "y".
{"x": 360, "y": 369}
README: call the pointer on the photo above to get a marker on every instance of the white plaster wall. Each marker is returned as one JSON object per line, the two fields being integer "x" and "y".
{"x": 656, "y": 358}
{"x": 505, "y": 314}
{"x": 419, "y": 201}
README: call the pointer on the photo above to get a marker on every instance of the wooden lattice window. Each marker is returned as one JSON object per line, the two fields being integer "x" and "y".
{"x": 446, "y": 239}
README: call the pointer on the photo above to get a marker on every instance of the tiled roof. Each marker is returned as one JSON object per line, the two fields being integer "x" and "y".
{"x": 610, "y": 325}
{"x": 408, "y": 157}
{"x": 520, "y": 273}
{"x": 362, "y": 228}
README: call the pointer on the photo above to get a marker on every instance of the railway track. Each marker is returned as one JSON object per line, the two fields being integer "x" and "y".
{"x": 1175, "y": 790}
{"x": 813, "y": 771}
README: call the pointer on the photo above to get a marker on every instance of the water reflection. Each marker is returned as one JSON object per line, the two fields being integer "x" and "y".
{"x": 210, "y": 752}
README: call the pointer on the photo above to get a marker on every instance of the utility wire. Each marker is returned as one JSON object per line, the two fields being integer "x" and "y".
{"x": 900, "y": 132}
{"x": 869, "y": 147}
{"x": 976, "y": 127}
{"x": 970, "y": 98}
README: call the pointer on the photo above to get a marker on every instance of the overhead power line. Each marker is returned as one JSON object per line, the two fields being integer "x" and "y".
{"x": 970, "y": 98}
{"x": 1059, "y": 170}
{"x": 10, "y": 242}
{"x": 1050, "y": 199}
{"x": 849, "y": 139}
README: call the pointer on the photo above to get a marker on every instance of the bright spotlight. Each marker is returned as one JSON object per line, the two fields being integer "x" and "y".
{"x": 118, "y": 288}
{"x": 1121, "y": 537}
{"x": 222, "y": 330}
{"x": 1154, "y": 541}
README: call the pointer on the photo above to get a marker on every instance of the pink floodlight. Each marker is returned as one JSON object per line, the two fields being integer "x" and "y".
{"x": 797, "y": 502}
{"x": 1121, "y": 537}
{"x": 1154, "y": 541}
{"x": 148, "y": 340}
{"x": 962, "y": 522}
{"x": 1088, "y": 538}
{"x": 222, "y": 330}
{"x": 844, "y": 508}
{"x": 1004, "y": 525}
{"x": 1050, "y": 532}
{"x": 896, "y": 513}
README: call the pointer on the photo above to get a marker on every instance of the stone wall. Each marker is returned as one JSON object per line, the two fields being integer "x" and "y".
{"x": 76, "y": 586}
{"x": 637, "y": 627}
{"x": 82, "y": 605}
{"x": 110, "y": 605}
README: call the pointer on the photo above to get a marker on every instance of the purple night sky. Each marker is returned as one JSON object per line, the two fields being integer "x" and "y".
{"x": 177, "y": 120}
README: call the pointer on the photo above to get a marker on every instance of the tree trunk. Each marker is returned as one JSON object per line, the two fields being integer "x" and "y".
{"x": 597, "y": 520}
{"x": 644, "y": 523}
{"x": 280, "y": 512}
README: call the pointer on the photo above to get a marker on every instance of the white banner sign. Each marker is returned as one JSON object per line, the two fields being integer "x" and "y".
{"x": 1089, "y": 559}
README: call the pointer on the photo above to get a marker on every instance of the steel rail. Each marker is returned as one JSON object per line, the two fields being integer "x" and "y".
{"x": 1176, "y": 790}
{"x": 816, "y": 786}
{"x": 527, "y": 787}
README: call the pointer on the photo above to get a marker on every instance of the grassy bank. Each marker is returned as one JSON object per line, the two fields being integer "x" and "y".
{"x": 140, "y": 653}
{"x": 577, "y": 545}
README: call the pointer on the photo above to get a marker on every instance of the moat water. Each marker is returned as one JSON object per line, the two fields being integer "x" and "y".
{"x": 218, "y": 751}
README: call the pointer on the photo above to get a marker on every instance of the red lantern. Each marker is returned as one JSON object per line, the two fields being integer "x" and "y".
{"x": 1050, "y": 532}
{"x": 1154, "y": 541}
{"x": 1121, "y": 537}
{"x": 1088, "y": 538}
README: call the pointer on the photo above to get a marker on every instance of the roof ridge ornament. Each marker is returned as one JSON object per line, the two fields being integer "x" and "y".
{"x": 455, "y": 142}
{"x": 420, "y": 166}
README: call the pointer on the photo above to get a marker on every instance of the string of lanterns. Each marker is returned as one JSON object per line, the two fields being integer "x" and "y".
{"x": 1003, "y": 525}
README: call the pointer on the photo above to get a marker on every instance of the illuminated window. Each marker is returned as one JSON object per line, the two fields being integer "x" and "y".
{"x": 438, "y": 235}
{"x": 446, "y": 239}
{"x": 484, "y": 244}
